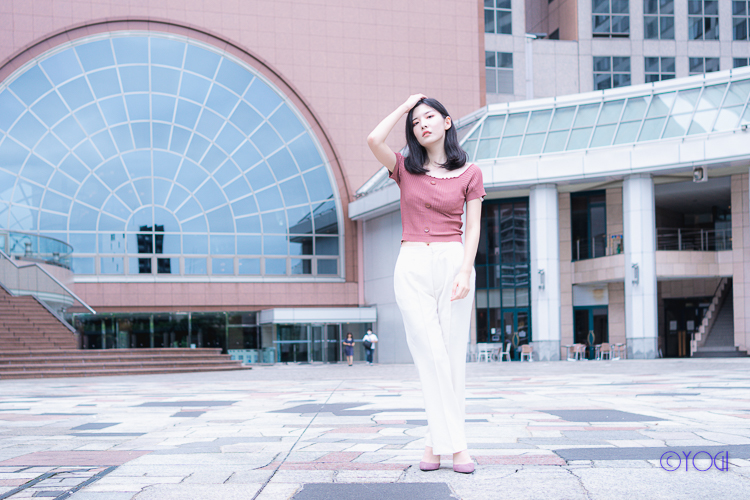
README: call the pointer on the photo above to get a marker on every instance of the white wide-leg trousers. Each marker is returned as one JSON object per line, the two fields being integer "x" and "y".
{"x": 437, "y": 331}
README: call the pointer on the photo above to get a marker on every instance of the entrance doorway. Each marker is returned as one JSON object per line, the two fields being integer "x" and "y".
{"x": 326, "y": 343}
{"x": 682, "y": 318}
{"x": 308, "y": 343}
{"x": 590, "y": 326}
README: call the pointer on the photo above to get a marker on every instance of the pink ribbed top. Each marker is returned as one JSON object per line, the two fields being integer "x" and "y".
{"x": 431, "y": 207}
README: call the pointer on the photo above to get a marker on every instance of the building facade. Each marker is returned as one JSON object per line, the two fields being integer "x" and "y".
{"x": 205, "y": 165}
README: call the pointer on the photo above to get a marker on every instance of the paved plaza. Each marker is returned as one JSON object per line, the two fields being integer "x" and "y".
{"x": 559, "y": 430}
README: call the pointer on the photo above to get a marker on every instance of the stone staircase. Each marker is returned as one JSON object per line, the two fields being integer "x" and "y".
{"x": 35, "y": 343}
{"x": 719, "y": 343}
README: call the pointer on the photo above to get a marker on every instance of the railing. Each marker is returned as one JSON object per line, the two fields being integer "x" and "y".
{"x": 32, "y": 279}
{"x": 35, "y": 248}
{"x": 599, "y": 246}
{"x": 700, "y": 240}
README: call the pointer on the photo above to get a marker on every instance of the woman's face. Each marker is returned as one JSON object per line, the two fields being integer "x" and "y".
{"x": 349, "y": 336}
{"x": 428, "y": 125}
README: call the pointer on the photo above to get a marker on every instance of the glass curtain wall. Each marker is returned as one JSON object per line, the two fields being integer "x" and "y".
{"x": 226, "y": 330}
{"x": 502, "y": 266}
{"x": 154, "y": 155}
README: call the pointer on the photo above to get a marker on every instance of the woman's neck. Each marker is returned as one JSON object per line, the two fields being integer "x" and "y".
{"x": 436, "y": 157}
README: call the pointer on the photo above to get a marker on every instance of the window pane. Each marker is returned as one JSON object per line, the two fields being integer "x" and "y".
{"x": 621, "y": 64}
{"x": 603, "y": 135}
{"x": 493, "y": 126}
{"x": 516, "y": 124}
{"x": 651, "y": 64}
{"x": 491, "y": 81}
{"x": 728, "y": 118}
{"x": 712, "y": 64}
{"x": 327, "y": 266}
{"x": 533, "y": 144}
{"x": 487, "y": 148}
{"x": 602, "y": 64}
{"x": 610, "y": 112}
{"x": 563, "y": 118}
{"x": 586, "y": 115}
{"x": 660, "y": 104}
{"x": 195, "y": 266}
{"x": 634, "y": 109}
{"x": 666, "y": 26}
{"x": 301, "y": 266}
{"x": 737, "y": 93}
{"x": 600, "y": 6}
{"x": 695, "y": 28}
{"x": 651, "y": 129}
{"x": 621, "y": 80}
{"x": 249, "y": 266}
{"x": 489, "y": 59}
{"x": 539, "y": 121}
{"x": 666, "y": 6}
{"x": 489, "y": 21}
{"x": 556, "y": 141}
{"x": 627, "y": 132}
{"x": 601, "y": 24}
{"x": 667, "y": 65}
{"x": 168, "y": 266}
{"x": 275, "y": 266}
{"x": 650, "y": 6}
{"x": 509, "y": 146}
{"x": 83, "y": 265}
{"x": 504, "y": 22}
{"x": 619, "y": 6}
{"x": 579, "y": 139}
{"x": 222, "y": 266}
{"x": 602, "y": 81}
{"x": 111, "y": 265}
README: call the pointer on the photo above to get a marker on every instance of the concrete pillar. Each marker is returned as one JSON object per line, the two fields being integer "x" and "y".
{"x": 545, "y": 271}
{"x": 641, "y": 331}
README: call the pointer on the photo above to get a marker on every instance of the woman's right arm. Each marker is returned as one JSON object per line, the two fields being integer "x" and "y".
{"x": 376, "y": 139}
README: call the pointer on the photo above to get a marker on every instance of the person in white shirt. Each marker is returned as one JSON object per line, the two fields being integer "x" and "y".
{"x": 369, "y": 342}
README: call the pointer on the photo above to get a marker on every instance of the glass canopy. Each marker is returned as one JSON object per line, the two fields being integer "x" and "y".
{"x": 646, "y": 113}
{"x": 152, "y": 154}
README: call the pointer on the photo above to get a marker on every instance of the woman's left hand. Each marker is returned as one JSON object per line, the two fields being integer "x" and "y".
{"x": 460, "y": 288}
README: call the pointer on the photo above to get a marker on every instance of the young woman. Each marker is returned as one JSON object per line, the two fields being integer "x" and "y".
{"x": 349, "y": 348}
{"x": 434, "y": 275}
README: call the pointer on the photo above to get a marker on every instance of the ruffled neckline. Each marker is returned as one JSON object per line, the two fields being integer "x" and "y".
{"x": 454, "y": 176}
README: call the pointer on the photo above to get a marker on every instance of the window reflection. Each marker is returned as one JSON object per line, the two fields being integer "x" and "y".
{"x": 181, "y": 144}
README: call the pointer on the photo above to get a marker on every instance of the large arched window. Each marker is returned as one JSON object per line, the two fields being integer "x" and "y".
{"x": 153, "y": 154}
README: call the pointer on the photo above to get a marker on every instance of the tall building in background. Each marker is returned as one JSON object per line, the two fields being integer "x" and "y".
{"x": 543, "y": 48}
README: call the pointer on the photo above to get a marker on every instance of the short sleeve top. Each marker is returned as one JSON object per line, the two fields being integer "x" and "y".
{"x": 431, "y": 207}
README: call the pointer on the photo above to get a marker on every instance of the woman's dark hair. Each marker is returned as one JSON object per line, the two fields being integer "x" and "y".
{"x": 414, "y": 162}
{"x": 348, "y": 334}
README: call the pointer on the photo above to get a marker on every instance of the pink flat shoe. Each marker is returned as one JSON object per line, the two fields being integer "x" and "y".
{"x": 427, "y": 466}
{"x": 464, "y": 468}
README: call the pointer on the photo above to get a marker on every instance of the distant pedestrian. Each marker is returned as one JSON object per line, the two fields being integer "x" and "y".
{"x": 369, "y": 342}
{"x": 349, "y": 348}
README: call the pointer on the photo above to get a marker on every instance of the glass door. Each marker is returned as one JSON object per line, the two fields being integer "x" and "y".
{"x": 333, "y": 338}
{"x": 318, "y": 343}
{"x": 590, "y": 327}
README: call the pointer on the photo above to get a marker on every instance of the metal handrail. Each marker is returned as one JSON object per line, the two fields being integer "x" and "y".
{"x": 34, "y": 247}
{"x": 701, "y": 240}
{"x": 600, "y": 246}
{"x": 39, "y": 270}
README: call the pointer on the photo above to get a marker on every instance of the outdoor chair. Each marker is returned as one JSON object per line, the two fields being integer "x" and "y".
{"x": 579, "y": 352}
{"x": 526, "y": 351}
{"x": 505, "y": 354}
{"x": 605, "y": 350}
{"x": 484, "y": 351}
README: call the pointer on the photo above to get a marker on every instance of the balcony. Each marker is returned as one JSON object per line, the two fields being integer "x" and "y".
{"x": 696, "y": 240}
{"x": 35, "y": 248}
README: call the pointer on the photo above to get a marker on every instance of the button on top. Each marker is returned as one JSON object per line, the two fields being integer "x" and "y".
{"x": 427, "y": 230}
{"x": 432, "y": 182}
{"x": 427, "y": 205}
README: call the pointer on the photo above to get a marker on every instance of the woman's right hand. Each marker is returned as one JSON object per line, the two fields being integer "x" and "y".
{"x": 413, "y": 100}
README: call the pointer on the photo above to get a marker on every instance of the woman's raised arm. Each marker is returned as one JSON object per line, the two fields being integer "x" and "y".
{"x": 376, "y": 139}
